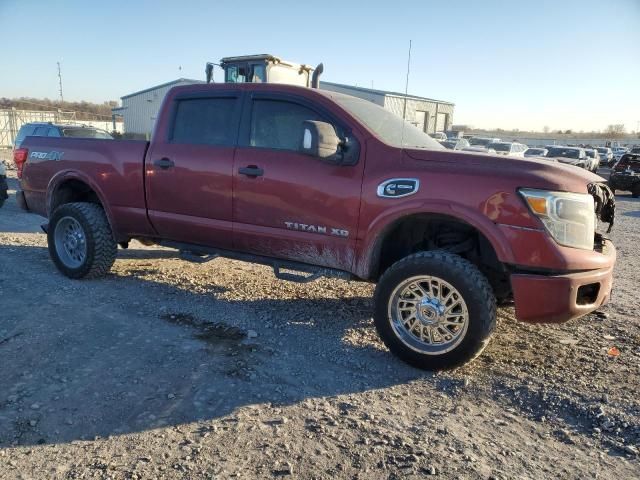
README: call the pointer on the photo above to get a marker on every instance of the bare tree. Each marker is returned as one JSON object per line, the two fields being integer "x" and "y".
{"x": 616, "y": 130}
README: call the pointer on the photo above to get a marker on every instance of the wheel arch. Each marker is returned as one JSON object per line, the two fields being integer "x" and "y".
{"x": 384, "y": 227}
{"x": 68, "y": 187}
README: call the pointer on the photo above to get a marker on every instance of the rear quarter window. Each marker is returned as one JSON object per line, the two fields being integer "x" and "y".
{"x": 204, "y": 121}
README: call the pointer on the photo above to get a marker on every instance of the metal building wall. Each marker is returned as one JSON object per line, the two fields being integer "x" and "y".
{"x": 140, "y": 110}
{"x": 438, "y": 116}
{"x": 374, "y": 97}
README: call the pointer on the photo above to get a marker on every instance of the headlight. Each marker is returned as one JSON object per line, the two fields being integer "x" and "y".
{"x": 568, "y": 217}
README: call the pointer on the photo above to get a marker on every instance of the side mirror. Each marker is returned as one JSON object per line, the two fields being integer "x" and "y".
{"x": 319, "y": 139}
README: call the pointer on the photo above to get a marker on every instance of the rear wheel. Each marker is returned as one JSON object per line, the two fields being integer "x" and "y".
{"x": 80, "y": 240}
{"x": 434, "y": 310}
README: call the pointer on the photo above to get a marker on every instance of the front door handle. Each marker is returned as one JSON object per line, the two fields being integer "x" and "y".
{"x": 251, "y": 171}
{"x": 164, "y": 163}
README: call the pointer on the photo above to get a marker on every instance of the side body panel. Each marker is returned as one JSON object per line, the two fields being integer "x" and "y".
{"x": 113, "y": 169}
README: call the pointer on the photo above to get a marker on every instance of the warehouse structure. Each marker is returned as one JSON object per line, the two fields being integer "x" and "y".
{"x": 140, "y": 109}
{"x": 427, "y": 114}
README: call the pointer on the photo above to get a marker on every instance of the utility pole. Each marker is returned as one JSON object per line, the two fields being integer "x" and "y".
{"x": 60, "y": 82}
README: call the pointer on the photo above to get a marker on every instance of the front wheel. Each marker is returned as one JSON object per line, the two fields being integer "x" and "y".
{"x": 80, "y": 240}
{"x": 434, "y": 310}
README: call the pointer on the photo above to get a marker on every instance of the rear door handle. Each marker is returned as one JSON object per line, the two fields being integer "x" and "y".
{"x": 164, "y": 163}
{"x": 251, "y": 171}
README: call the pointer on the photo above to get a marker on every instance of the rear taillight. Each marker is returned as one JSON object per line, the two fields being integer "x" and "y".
{"x": 20, "y": 158}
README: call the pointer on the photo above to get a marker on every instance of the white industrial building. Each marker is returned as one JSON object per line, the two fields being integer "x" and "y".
{"x": 140, "y": 109}
{"x": 425, "y": 113}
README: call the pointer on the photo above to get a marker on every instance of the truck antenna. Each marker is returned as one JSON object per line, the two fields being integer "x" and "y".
{"x": 406, "y": 92}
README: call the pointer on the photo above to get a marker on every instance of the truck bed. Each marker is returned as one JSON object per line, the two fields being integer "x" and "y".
{"x": 114, "y": 169}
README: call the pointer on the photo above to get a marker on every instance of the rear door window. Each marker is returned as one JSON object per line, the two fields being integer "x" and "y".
{"x": 205, "y": 121}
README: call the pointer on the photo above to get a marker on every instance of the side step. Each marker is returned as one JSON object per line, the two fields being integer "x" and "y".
{"x": 194, "y": 257}
{"x": 299, "y": 277}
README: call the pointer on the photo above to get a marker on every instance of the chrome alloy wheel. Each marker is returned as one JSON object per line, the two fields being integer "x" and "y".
{"x": 428, "y": 315}
{"x": 70, "y": 242}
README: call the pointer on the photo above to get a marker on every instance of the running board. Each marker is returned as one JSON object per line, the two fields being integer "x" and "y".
{"x": 193, "y": 257}
{"x": 298, "y": 272}
{"x": 299, "y": 277}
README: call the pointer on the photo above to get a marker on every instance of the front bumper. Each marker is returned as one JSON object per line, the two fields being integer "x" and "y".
{"x": 543, "y": 298}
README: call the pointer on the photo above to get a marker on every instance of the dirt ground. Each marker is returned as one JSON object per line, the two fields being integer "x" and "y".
{"x": 166, "y": 369}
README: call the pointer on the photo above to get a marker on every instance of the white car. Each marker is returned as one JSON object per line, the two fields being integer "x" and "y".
{"x": 618, "y": 152}
{"x": 593, "y": 159}
{"x": 512, "y": 149}
{"x": 482, "y": 141}
{"x": 535, "y": 152}
{"x": 487, "y": 151}
{"x": 606, "y": 155}
{"x": 569, "y": 155}
{"x": 440, "y": 136}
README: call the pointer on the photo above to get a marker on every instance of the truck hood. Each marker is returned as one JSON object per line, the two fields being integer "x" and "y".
{"x": 525, "y": 172}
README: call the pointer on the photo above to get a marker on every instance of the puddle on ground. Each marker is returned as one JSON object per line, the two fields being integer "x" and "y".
{"x": 211, "y": 332}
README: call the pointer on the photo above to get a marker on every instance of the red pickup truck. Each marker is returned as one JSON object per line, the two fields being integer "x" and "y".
{"x": 317, "y": 183}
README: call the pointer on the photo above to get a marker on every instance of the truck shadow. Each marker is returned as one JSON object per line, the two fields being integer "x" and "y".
{"x": 127, "y": 354}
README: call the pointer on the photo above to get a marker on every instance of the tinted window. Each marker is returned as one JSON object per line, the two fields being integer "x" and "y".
{"x": 40, "y": 131}
{"x": 205, "y": 121}
{"x": 84, "y": 133}
{"x": 53, "y": 132}
{"x": 24, "y": 131}
{"x": 277, "y": 124}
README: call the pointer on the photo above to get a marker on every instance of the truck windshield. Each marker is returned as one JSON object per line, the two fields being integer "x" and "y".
{"x": 390, "y": 128}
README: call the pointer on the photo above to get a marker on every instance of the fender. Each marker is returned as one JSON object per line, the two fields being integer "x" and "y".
{"x": 376, "y": 231}
{"x": 65, "y": 175}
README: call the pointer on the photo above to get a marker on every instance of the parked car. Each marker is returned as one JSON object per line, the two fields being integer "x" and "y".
{"x": 513, "y": 149}
{"x": 606, "y": 156}
{"x": 439, "y": 136}
{"x": 618, "y": 152}
{"x": 482, "y": 150}
{"x": 535, "y": 152}
{"x": 593, "y": 159}
{"x": 41, "y": 129}
{"x": 568, "y": 155}
{"x": 482, "y": 141}
{"x": 279, "y": 175}
{"x": 4, "y": 188}
{"x": 626, "y": 175}
{"x": 455, "y": 144}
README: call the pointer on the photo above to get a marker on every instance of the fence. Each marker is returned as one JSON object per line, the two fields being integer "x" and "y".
{"x": 11, "y": 120}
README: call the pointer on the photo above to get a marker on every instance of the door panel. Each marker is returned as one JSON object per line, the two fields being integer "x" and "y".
{"x": 189, "y": 176}
{"x": 300, "y": 208}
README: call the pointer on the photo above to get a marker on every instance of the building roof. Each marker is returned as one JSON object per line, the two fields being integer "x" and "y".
{"x": 168, "y": 84}
{"x": 383, "y": 92}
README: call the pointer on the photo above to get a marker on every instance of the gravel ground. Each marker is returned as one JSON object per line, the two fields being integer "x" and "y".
{"x": 166, "y": 369}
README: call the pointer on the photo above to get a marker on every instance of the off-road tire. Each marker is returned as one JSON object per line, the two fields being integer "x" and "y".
{"x": 101, "y": 246}
{"x": 462, "y": 275}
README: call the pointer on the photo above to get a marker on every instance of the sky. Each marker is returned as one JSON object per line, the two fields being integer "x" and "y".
{"x": 526, "y": 64}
